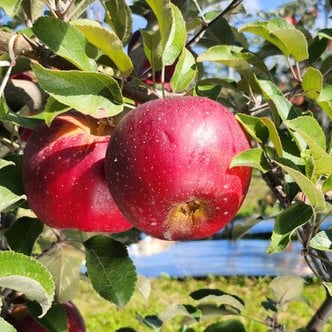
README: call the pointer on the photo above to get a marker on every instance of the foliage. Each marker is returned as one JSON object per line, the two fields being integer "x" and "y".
{"x": 280, "y": 89}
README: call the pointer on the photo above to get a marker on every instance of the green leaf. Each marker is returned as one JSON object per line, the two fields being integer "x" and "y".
{"x": 322, "y": 241}
{"x": 280, "y": 106}
{"x": 226, "y": 299}
{"x": 325, "y": 99}
{"x": 111, "y": 271}
{"x": 287, "y": 289}
{"x": 286, "y": 223}
{"x": 25, "y": 274}
{"x": 229, "y": 325}
{"x": 185, "y": 71}
{"x": 252, "y": 158}
{"x": 95, "y": 94}
{"x": 33, "y": 8}
{"x": 151, "y": 321}
{"x": 23, "y": 233}
{"x": 314, "y": 195}
{"x": 175, "y": 310}
{"x": 285, "y": 36}
{"x": 119, "y": 17}
{"x": 109, "y": 43}
{"x": 152, "y": 48}
{"x": 4, "y": 163}
{"x": 11, "y": 7}
{"x": 327, "y": 185}
{"x": 9, "y": 200}
{"x": 254, "y": 127}
{"x": 5, "y": 326}
{"x": 274, "y": 135}
{"x": 325, "y": 33}
{"x": 309, "y": 128}
{"x": 64, "y": 40}
{"x": 52, "y": 109}
{"x": 64, "y": 263}
{"x": 312, "y": 82}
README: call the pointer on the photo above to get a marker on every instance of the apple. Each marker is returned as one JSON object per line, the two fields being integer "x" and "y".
{"x": 74, "y": 319}
{"x": 167, "y": 167}
{"x": 64, "y": 177}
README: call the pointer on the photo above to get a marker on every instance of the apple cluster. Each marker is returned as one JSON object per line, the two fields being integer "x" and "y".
{"x": 164, "y": 169}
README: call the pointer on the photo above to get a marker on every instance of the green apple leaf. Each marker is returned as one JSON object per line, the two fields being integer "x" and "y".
{"x": 254, "y": 126}
{"x": 316, "y": 48}
{"x": 11, "y": 7}
{"x": 325, "y": 33}
{"x": 286, "y": 223}
{"x": 327, "y": 185}
{"x": 309, "y": 128}
{"x": 64, "y": 40}
{"x": 109, "y": 42}
{"x": 322, "y": 241}
{"x": 175, "y": 310}
{"x": 252, "y": 158}
{"x": 5, "y": 326}
{"x": 64, "y": 263}
{"x": 95, "y": 94}
{"x": 185, "y": 71}
{"x": 4, "y": 163}
{"x": 111, "y": 271}
{"x": 9, "y": 200}
{"x": 325, "y": 99}
{"x": 228, "y": 325}
{"x": 286, "y": 289}
{"x": 312, "y": 82}
{"x": 10, "y": 176}
{"x": 119, "y": 17}
{"x": 226, "y": 299}
{"x": 152, "y": 48}
{"x": 274, "y": 135}
{"x": 23, "y": 233}
{"x": 55, "y": 320}
{"x": 314, "y": 195}
{"x": 34, "y": 8}
{"x": 25, "y": 274}
{"x": 280, "y": 106}
{"x": 282, "y": 34}
{"x": 52, "y": 109}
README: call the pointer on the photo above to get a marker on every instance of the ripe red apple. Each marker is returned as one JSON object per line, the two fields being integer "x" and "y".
{"x": 167, "y": 166}
{"x": 64, "y": 177}
{"x": 75, "y": 322}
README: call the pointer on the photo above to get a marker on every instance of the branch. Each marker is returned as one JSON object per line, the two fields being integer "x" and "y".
{"x": 198, "y": 35}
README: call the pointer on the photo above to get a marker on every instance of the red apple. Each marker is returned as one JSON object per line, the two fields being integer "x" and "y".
{"x": 167, "y": 166}
{"x": 64, "y": 177}
{"x": 75, "y": 321}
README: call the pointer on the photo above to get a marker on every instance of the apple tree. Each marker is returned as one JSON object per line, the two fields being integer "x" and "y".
{"x": 72, "y": 70}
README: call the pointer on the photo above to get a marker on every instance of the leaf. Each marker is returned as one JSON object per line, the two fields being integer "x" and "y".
{"x": 5, "y": 326}
{"x": 111, "y": 271}
{"x": 152, "y": 48}
{"x": 95, "y": 94}
{"x": 25, "y": 274}
{"x": 64, "y": 40}
{"x": 23, "y": 233}
{"x": 175, "y": 310}
{"x": 286, "y": 289}
{"x": 254, "y": 127}
{"x": 11, "y": 8}
{"x": 274, "y": 135}
{"x": 325, "y": 33}
{"x": 280, "y": 106}
{"x": 312, "y": 82}
{"x": 325, "y": 99}
{"x": 34, "y": 8}
{"x": 143, "y": 285}
{"x": 322, "y": 241}
{"x": 64, "y": 263}
{"x": 52, "y": 109}
{"x": 108, "y": 42}
{"x": 314, "y": 195}
{"x": 9, "y": 200}
{"x": 283, "y": 35}
{"x": 309, "y": 128}
{"x": 185, "y": 71}
{"x": 119, "y": 17}
{"x": 151, "y": 321}
{"x": 286, "y": 223}
{"x": 230, "y": 325}
{"x": 252, "y": 158}
{"x": 226, "y": 299}
{"x": 4, "y": 163}
{"x": 240, "y": 229}
{"x": 327, "y": 185}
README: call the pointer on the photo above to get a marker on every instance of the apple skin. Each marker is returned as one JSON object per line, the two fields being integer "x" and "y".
{"x": 75, "y": 321}
{"x": 167, "y": 166}
{"x": 64, "y": 177}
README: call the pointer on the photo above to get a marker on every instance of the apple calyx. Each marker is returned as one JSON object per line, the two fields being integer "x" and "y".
{"x": 188, "y": 215}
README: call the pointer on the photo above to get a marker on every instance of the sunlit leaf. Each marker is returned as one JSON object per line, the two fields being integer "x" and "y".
{"x": 322, "y": 241}
{"x": 253, "y": 158}
{"x": 5, "y": 326}
{"x": 229, "y": 325}
{"x": 11, "y": 7}
{"x": 325, "y": 99}
{"x": 274, "y": 135}
{"x": 312, "y": 82}
{"x": 9, "y": 200}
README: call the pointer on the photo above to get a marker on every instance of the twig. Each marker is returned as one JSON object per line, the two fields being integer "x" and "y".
{"x": 198, "y": 35}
